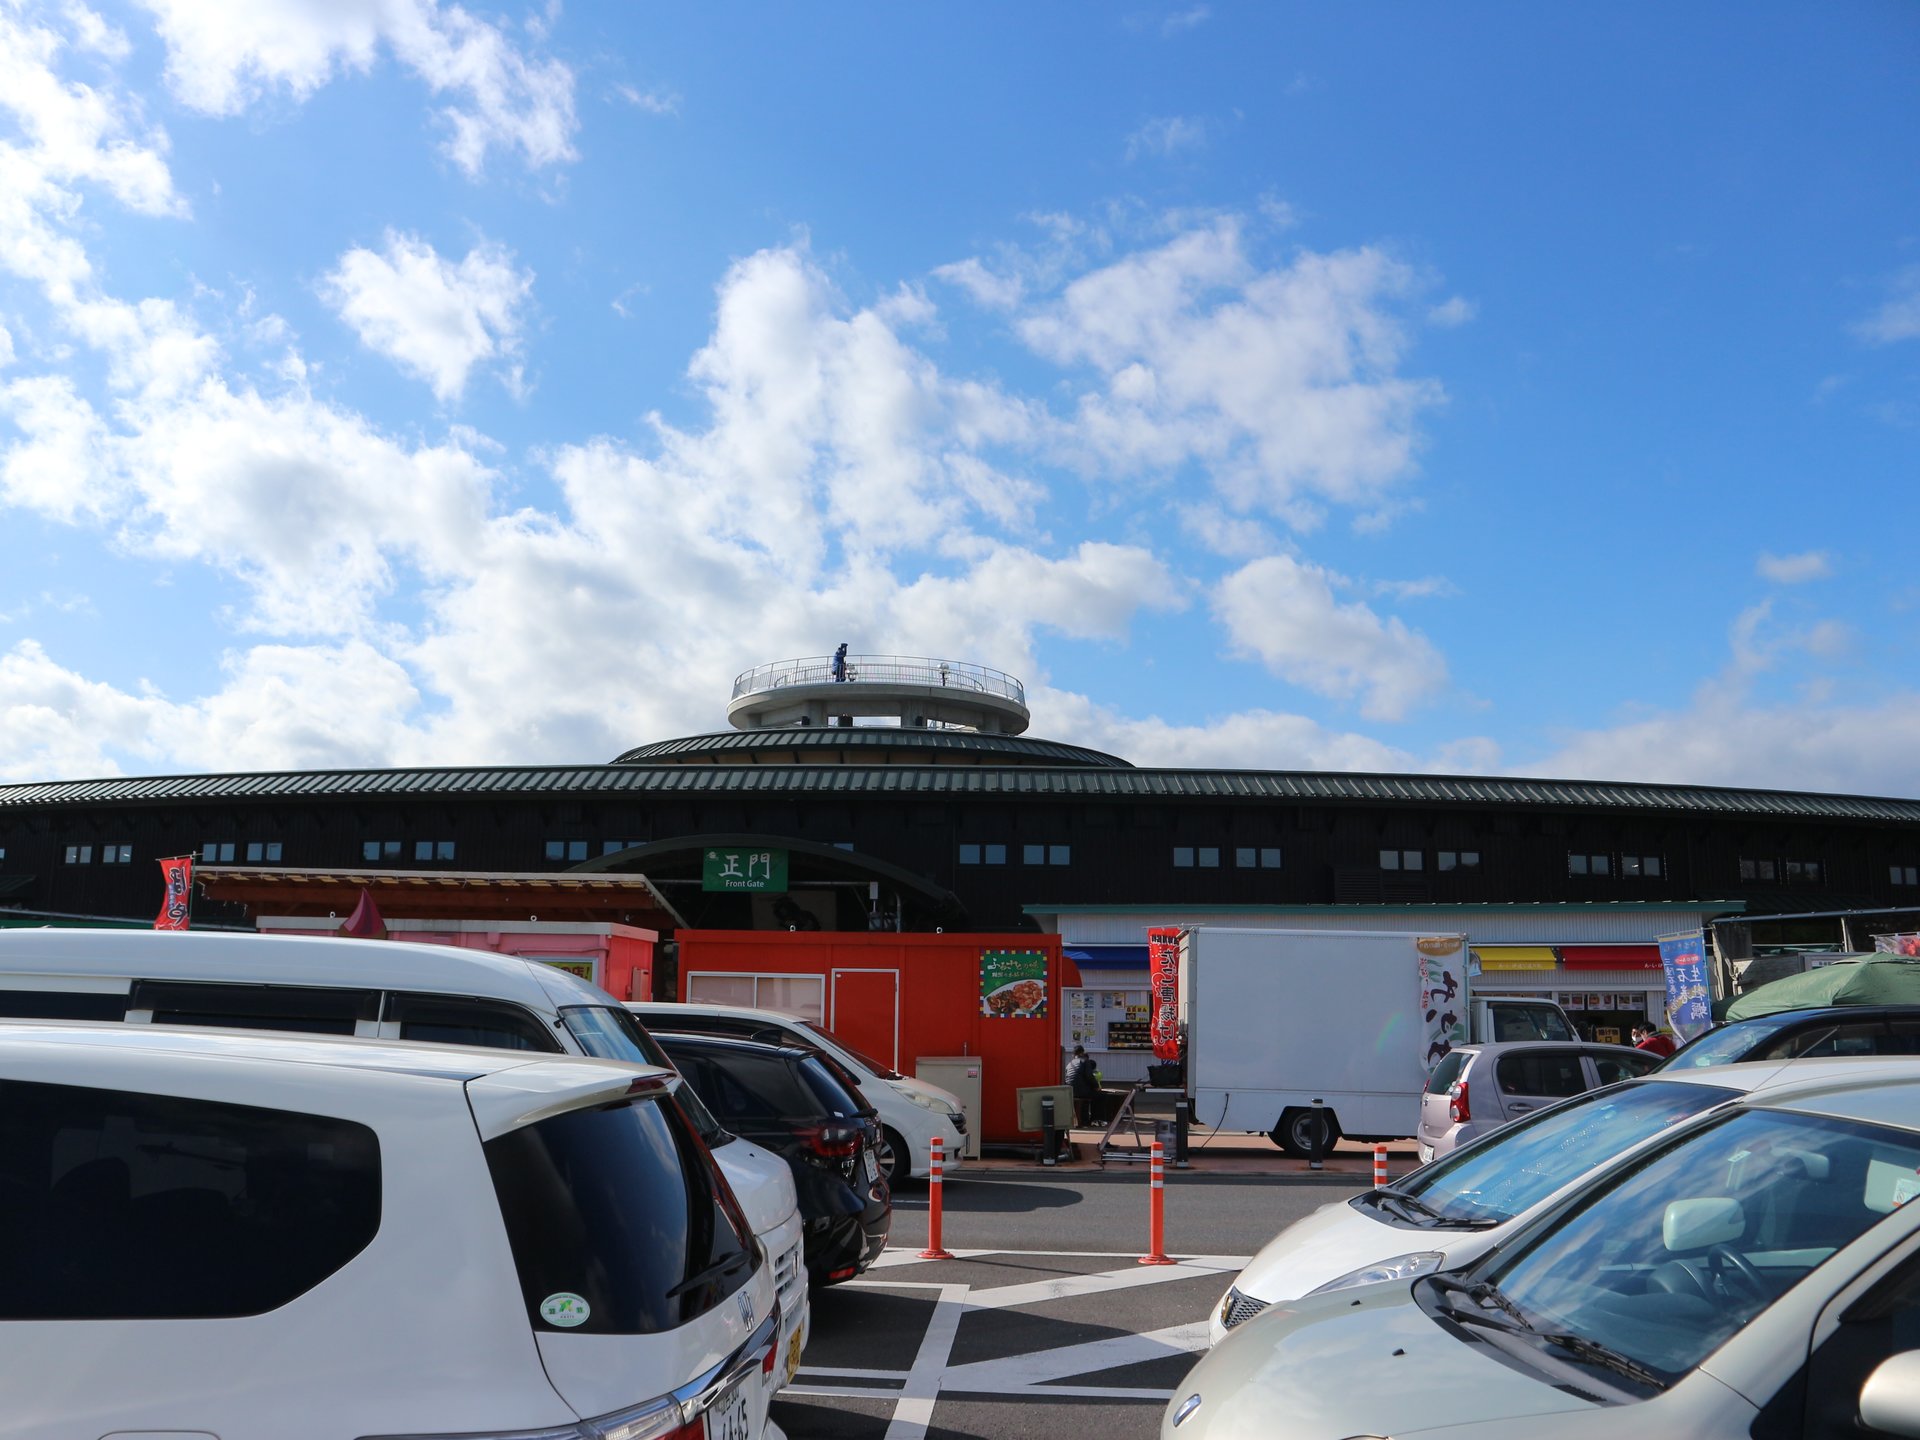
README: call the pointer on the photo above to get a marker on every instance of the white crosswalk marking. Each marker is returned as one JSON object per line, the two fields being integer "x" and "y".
{"x": 1063, "y": 1287}
{"x": 1042, "y": 1373}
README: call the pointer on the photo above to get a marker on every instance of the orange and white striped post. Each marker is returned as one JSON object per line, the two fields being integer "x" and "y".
{"x": 1379, "y": 1166}
{"x": 1156, "y": 1207}
{"x": 935, "y": 1250}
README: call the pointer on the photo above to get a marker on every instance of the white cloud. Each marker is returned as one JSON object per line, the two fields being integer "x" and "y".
{"x": 1166, "y": 135}
{"x": 1280, "y": 382}
{"x": 1285, "y": 613}
{"x": 278, "y": 710}
{"x": 1729, "y": 740}
{"x": 996, "y": 292}
{"x": 1191, "y": 18}
{"x": 1248, "y": 740}
{"x": 433, "y": 318}
{"x": 221, "y": 58}
{"x": 1454, "y": 312}
{"x": 1794, "y": 569}
{"x": 654, "y": 102}
{"x": 1899, "y": 317}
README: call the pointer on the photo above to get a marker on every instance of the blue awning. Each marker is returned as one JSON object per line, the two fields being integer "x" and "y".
{"x": 1109, "y": 957}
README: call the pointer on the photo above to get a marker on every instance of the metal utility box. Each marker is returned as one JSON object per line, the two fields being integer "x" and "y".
{"x": 962, "y": 1074}
{"x": 1030, "y": 1097}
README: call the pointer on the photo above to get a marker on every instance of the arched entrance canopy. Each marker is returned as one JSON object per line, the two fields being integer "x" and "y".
{"x": 831, "y": 879}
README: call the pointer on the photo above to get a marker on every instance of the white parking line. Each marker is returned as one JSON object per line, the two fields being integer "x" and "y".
{"x": 1063, "y": 1287}
{"x": 914, "y": 1412}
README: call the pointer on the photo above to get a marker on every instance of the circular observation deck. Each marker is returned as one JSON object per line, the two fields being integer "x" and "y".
{"x": 907, "y": 690}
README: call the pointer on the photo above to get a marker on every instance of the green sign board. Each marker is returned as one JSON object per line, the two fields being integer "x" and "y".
{"x": 744, "y": 870}
{"x": 1013, "y": 984}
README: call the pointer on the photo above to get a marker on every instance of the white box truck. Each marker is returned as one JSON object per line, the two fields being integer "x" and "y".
{"x": 1276, "y": 1023}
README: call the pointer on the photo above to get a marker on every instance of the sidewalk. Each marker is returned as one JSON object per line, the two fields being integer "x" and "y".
{"x": 1209, "y": 1152}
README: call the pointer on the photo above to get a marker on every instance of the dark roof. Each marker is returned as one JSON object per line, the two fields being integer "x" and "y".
{"x": 958, "y": 781}
{"x": 862, "y": 745}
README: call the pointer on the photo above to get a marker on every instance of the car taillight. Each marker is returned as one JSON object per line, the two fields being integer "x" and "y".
{"x": 831, "y": 1142}
{"x": 1459, "y": 1111}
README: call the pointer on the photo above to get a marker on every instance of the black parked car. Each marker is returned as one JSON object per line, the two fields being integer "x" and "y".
{"x": 787, "y": 1100}
{"x": 1830, "y": 1030}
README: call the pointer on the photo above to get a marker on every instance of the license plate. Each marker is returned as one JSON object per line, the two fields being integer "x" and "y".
{"x": 793, "y": 1357}
{"x": 873, "y": 1167}
{"x": 727, "y": 1416}
{"x": 1426, "y": 1153}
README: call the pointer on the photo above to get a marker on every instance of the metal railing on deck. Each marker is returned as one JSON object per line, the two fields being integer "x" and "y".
{"x": 883, "y": 670}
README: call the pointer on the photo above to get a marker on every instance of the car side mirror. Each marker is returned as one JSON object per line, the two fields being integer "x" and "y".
{"x": 1701, "y": 1223}
{"x": 1890, "y": 1400}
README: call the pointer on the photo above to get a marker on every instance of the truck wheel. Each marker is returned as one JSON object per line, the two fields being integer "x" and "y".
{"x": 1294, "y": 1133}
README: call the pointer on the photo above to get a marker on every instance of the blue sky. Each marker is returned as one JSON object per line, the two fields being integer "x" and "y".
{"x": 1502, "y": 388}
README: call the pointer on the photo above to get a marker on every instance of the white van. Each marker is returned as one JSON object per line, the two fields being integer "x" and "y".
{"x": 911, "y": 1111}
{"x": 272, "y": 1237}
{"x": 384, "y": 989}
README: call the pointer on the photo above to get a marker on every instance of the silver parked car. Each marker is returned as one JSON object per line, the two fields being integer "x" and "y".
{"x": 1478, "y": 1088}
{"x": 1753, "y": 1272}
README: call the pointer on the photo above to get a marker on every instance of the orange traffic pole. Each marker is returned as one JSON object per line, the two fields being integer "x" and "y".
{"x": 1379, "y": 1167}
{"x": 934, "y": 1250}
{"x": 1156, "y": 1207}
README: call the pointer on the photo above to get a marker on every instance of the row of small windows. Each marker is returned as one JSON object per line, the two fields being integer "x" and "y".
{"x": 394, "y": 849}
{"x": 1029, "y": 854}
{"x": 221, "y": 852}
{"x": 1207, "y": 857}
{"x": 1899, "y": 874}
{"x": 1805, "y": 872}
{"x": 1417, "y": 860}
{"x": 83, "y": 854}
{"x": 1632, "y": 867}
{"x": 580, "y": 849}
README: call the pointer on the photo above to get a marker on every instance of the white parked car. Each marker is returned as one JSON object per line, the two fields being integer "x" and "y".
{"x": 385, "y": 990}
{"x": 267, "y": 1237}
{"x": 1752, "y": 1271}
{"x": 911, "y": 1111}
{"x": 1463, "y": 1204}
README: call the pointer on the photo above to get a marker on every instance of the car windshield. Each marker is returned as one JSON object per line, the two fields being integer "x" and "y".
{"x": 1513, "y": 1021}
{"x": 1521, "y": 1164}
{"x": 610, "y": 1033}
{"x": 885, "y": 1072}
{"x": 1666, "y": 1259}
{"x": 1729, "y": 1042}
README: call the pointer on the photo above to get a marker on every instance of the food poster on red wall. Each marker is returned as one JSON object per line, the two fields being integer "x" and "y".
{"x": 1013, "y": 984}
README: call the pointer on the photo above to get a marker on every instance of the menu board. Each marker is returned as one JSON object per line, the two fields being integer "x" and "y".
{"x": 1108, "y": 1020}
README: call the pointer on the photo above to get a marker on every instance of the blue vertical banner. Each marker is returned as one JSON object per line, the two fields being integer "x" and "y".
{"x": 1689, "y": 1002}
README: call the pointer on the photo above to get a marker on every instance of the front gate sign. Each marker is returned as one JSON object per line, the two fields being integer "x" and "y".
{"x": 762, "y": 870}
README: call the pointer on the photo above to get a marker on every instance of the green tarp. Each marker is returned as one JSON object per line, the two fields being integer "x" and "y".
{"x": 1870, "y": 980}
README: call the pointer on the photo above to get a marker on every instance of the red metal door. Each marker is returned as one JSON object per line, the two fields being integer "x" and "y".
{"x": 866, "y": 1013}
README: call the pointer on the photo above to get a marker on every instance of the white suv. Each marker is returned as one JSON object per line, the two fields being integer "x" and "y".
{"x": 272, "y": 1238}
{"x": 911, "y": 1111}
{"x": 330, "y": 985}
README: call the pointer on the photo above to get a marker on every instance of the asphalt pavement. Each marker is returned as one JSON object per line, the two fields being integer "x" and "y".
{"x": 1045, "y": 1304}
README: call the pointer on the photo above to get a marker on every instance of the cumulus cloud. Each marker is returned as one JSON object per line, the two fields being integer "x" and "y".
{"x": 1246, "y": 740}
{"x": 1794, "y": 569}
{"x": 222, "y": 58}
{"x": 1898, "y": 317}
{"x": 433, "y": 318}
{"x": 278, "y": 710}
{"x": 1285, "y": 613}
{"x": 1281, "y": 382}
{"x": 1455, "y": 311}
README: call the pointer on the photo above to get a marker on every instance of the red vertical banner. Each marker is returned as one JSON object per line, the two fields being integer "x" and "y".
{"x": 1163, "y": 969}
{"x": 176, "y": 910}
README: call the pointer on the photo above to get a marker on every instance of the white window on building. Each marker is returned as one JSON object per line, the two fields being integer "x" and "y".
{"x": 802, "y": 995}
